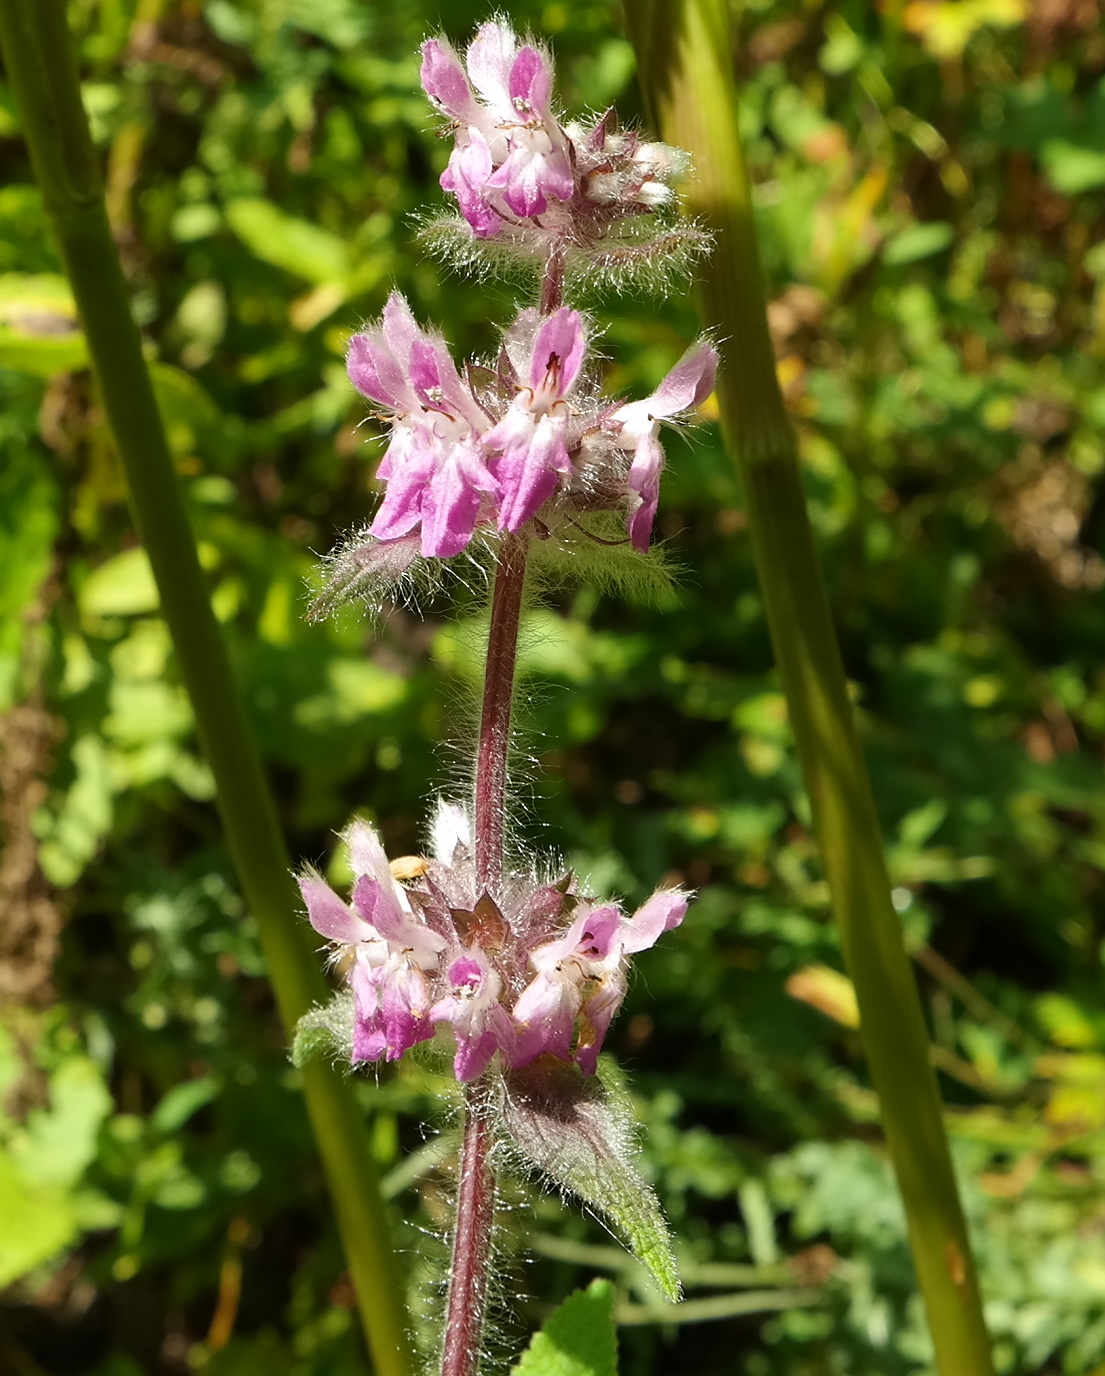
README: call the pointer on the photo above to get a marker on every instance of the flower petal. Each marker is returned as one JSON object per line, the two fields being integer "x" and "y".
{"x": 558, "y": 352}
{"x": 688, "y": 384}
{"x": 545, "y": 1019}
{"x": 329, "y": 916}
{"x": 530, "y": 83}
{"x": 659, "y": 914}
{"x": 490, "y": 57}
{"x": 444, "y": 81}
{"x": 374, "y": 371}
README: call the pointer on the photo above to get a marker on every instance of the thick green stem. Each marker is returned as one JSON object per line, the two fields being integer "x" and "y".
{"x": 684, "y": 51}
{"x": 41, "y": 67}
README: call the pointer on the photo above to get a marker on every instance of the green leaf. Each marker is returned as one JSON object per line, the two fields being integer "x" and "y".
{"x": 579, "y": 1134}
{"x": 917, "y": 241}
{"x": 121, "y": 586}
{"x": 181, "y": 1102}
{"x": 325, "y": 1031}
{"x": 190, "y": 415}
{"x": 600, "y": 555}
{"x": 39, "y": 331}
{"x": 1071, "y": 167}
{"x": 38, "y": 1223}
{"x": 70, "y": 834}
{"x": 59, "y": 1142}
{"x": 288, "y": 243}
{"x": 578, "y": 1340}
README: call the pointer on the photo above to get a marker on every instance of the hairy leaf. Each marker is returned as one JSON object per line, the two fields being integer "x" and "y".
{"x": 325, "y": 1031}
{"x": 578, "y": 1133}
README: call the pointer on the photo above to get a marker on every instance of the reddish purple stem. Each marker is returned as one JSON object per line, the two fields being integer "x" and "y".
{"x": 498, "y": 693}
{"x": 552, "y": 284}
{"x": 467, "y": 1301}
{"x": 471, "y": 1242}
{"x": 476, "y": 1191}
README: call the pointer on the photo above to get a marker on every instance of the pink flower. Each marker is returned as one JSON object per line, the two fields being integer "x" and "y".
{"x": 581, "y": 978}
{"x": 434, "y": 468}
{"x": 636, "y": 425}
{"x": 527, "y": 447}
{"x": 442, "y": 950}
{"x": 393, "y": 952}
{"x": 510, "y": 155}
{"x": 481, "y": 1023}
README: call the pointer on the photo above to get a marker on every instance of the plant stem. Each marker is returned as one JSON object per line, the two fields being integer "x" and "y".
{"x": 552, "y": 282}
{"x": 468, "y": 1276}
{"x": 40, "y": 64}
{"x": 684, "y": 52}
{"x": 498, "y": 694}
{"x": 467, "y": 1304}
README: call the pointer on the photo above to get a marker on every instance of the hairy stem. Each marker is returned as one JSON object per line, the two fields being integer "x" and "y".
{"x": 498, "y": 695}
{"x": 685, "y": 55}
{"x": 552, "y": 283}
{"x": 471, "y": 1260}
{"x": 471, "y": 1241}
{"x": 476, "y": 1192}
{"x": 40, "y": 64}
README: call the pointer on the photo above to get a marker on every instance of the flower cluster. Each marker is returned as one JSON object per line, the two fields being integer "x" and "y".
{"x": 517, "y": 172}
{"x": 528, "y": 440}
{"x": 541, "y": 971}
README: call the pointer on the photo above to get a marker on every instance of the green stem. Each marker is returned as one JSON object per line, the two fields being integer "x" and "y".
{"x": 41, "y": 67}
{"x": 684, "y": 51}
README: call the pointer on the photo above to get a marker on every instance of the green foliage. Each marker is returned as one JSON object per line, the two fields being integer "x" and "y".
{"x": 44, "y": 1155}
{"x": 578, "y": 1340}
{"x": 937, "y": 306}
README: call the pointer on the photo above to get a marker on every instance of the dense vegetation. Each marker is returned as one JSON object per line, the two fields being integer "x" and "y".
{"x": 931, "y": 187}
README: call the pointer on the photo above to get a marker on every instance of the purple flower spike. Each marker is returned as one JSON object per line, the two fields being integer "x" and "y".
{"x": 435, "y": 474}
{"x": 528, "y": 446}
{"x": 637, "y": 425}
{"x": 541, "y": 975}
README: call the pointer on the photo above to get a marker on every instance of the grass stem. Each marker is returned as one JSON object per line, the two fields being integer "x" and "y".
{"x": 684, "y": 50}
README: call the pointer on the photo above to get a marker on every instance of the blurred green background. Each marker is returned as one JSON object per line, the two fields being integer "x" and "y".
{"x": 931, "y": 193}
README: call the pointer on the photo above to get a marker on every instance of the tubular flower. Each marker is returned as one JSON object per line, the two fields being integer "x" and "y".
{"x": 541, "y": 972}
{"x": 528, "y": 444}
{"x": 518, "y": 174}
{"x": 580, "y": 978}
{"x": 636, "y": 426}
{"x": 488, "y": 448}
{"x": 480, "y": 1022}
{"x": 511, "y": 157}
{"x": 434, "y": 465}
{"x": 393, "y": 953}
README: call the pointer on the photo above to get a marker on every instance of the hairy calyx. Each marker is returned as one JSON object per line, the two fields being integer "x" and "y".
{"x": 537, "y": 970}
